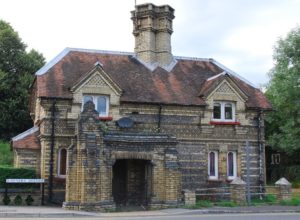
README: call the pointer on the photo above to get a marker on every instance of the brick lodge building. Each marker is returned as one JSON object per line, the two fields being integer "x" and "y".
{"x": 123, "y": 128}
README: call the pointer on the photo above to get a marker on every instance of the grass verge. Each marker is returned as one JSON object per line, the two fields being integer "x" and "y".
{"x": 292, "y": 202}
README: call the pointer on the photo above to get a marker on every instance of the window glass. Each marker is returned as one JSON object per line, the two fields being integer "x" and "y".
{"x": 87, "y": 98}
{"x": 212, "y": 170}
{"x": 217, "y": 111}
{"x": 100, "y": 102}
{"x": 223, "y": 111}
{"x": 213, "y": 165}
{"x": 228, "y": 111}
{"x": 101, "y": 105}
{"x": 230, "y": 164}
{"x": 62, "y": 162}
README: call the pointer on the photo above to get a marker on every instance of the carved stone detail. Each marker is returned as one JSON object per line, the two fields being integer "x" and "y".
{"x": 225, "y": 88}
{"x": 96, "y": 81}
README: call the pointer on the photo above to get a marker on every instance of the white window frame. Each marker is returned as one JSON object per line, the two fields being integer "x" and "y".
{"x": 59, "y": 161}
{"x": 234, "y": 165}
{"x": 222, "y": 104}
{"x": 95, "y": 100}
{"x": 216, "y": 176}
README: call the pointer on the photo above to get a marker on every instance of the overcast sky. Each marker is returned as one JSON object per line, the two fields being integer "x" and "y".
{"x": 240, "y": 34}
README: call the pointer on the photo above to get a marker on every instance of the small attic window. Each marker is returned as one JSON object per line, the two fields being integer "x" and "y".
{"x": 224, "y": 111}
{"x": 101, "y": 103}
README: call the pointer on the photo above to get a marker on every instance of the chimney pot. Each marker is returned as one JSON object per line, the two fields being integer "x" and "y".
{"x": 152, "y": 32}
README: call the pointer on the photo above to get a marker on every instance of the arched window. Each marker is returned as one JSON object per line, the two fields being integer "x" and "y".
{"x": 231, "y": 165}
{"x": 62, "y": 162}
{"x": 213, "y": 165}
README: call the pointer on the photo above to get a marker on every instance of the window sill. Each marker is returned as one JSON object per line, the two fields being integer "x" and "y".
{"x": 105, "y": 118}
{"x": 229, "y": 180}
{"x": 224, "y": 123}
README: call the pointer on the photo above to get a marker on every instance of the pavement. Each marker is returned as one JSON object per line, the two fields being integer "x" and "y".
{"x": 55, "y": 212}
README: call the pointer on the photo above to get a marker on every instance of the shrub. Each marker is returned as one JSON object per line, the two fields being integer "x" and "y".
{"x": 16, "y": 173}
{"x": 29, "y": 200}
{"x": 293, "y": 202}
{"x": 270, "y": 198}
{"x": 18, "y": 200}
{"x": 267, "y": 199}
{"x": 6, "y": 200}
{"x": 291, "y": 173}
{"x": 296, "y": 184}
{"x": 226, "y": 204}
{"x": 203, "y": 203}
{"x": 6, "y": 154}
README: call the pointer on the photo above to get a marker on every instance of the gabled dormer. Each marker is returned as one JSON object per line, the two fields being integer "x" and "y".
{"x": 226, "y": 101}
{"x": 98, "y": 87}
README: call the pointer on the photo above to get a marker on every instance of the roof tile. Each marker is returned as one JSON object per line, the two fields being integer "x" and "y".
{"x": 180, "y": 86}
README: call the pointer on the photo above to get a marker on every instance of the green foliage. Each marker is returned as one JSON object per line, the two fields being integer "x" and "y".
{"x": 292, "y": 202}
{"x": 6, "y": 155}
{"x": 206, "y": 204}
{"x": 283, "y": 124}
{"x": 296, "y": 184}
{"x": 6, "y": 200}
{"x": 16, "y": 75}
{"x": 291, "y": 173}
{"x": 16, "y": 173}
{"x": 29, "y": 200}
{"x": 18, "y": 200}
{"x": 268, "y": 199}
{"x": 225, "y": 204}
{"x": 203, "y": 204}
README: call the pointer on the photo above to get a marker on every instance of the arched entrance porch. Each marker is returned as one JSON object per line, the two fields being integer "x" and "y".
{"x": 132, "y": 182}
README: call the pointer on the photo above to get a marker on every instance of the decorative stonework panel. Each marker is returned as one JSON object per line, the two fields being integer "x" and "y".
{"x": 224, "y": 88}
{"x": 95, "y": 81}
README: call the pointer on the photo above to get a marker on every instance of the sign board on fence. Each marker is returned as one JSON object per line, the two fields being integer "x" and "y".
{"x": 25, "y": 180}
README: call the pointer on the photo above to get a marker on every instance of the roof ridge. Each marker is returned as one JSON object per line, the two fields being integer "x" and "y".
{"x": 62, "y": 54}
{"x": 25, "y": 133}
{"x": 232, "y": 73}
{"x": 52, "y": 62}
{"x": 216, "y": 76}
{"x": 56, "y": 59}
{"x": 115, "y": 52}
{"x": 193, "y": 58}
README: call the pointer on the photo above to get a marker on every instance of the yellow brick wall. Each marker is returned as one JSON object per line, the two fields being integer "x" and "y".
{"x": 26, "y": 158}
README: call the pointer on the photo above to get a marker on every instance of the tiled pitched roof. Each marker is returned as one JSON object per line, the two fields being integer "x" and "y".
{"x": 27, "y": 140}
{"x": 255, "y": 98}
{"x": 180, "y": 86}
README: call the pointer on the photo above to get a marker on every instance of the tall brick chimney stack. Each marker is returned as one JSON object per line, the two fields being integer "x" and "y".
{"x": 152, "y": 28}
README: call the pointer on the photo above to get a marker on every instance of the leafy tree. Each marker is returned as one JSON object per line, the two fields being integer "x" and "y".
{"x": 17, "y": 67}
{"x": 284, "y": 93}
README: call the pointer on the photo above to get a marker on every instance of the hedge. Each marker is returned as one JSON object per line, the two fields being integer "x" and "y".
{"x": 16, "y": 173}
{"x": 6, "y": 157}
{"x": 291, "y": 173}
